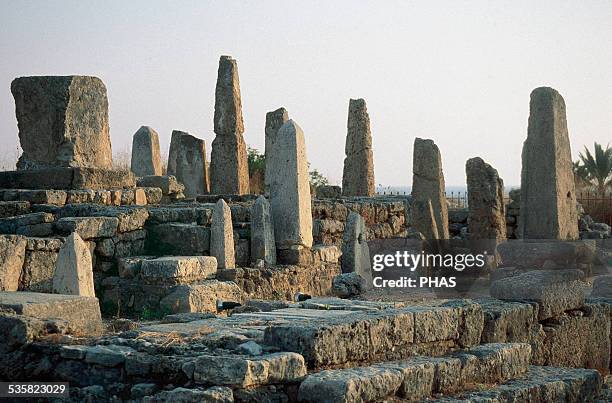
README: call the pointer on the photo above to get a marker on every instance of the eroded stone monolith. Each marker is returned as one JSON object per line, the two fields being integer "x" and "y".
{"x": 222, "y": 236}
{"x": 146, "y": 157}
{"x": 355, "y": 250}
{"x": 274, "y": 121}
{"x": 73, "y": 269}
{"x": 228, "y": 163}
{"x": 487, "y": 218}
{"x": 548, "y": 195}
{"x": 424, "y": 220}
{"x": 290, "y": 189}
{"x": 428, "y": 181}
{"x": 63, "y": 122}
{"x": 263, "y": 244}
{"x": 187, "y": 162}
{"x": 12, "y": 256}
{"x": 358, "y": 174}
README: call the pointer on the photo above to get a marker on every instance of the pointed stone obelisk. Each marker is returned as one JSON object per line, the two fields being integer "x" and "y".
{"x": 487, "y": 218}
{"x": 548, "y": 194}
{"x": 358, "y": 174}
{"x": 263, "y": 244}
{"x": 290, "y": 189}
{"x": 274, "y": 121}
{"x": 222, "y": 236}
{"x": 428, "y": 181}
{"x": 73, "y": 269}
{"x": 187, "y": 162}
{"x": 146, "y": 157}
{"x": 228, "y": 162}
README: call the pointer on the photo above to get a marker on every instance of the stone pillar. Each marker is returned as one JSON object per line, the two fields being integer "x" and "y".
{"x": 423, "y": 219}
{"x": 222, "y": 236}
{"x": 358, "y": 174}
{"x": 263, "y": 244}
{"x": 12, "y": 257}
{"x": 290, "y": 189}
{"x": 73, "y": 269}
{"x": 548, "y": 195}
{"x": 355, "y": 250}
{"x": 146, "y": 157}
{"x": 228, "y": 163}
{"x": 487, "y": 215}
{"x": 187, "y": 162}
{"x": 428, "y": 181}
{"x": 274, "y": 121}
{"x": 63, "y": 122}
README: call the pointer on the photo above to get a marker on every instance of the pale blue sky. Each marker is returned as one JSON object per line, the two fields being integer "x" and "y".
{"x": 459, "y": 72}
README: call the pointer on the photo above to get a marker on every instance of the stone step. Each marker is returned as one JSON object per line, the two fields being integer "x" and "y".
{"x": 380, "y": 335}
{"x": 539, "y": 385}
{"x": 418, "y": 377}
{"x": 173, "y": 270}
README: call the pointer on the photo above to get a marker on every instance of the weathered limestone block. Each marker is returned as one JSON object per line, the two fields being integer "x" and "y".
{"x": 172, "y": 270}
{"x": 507, "y": 321}
{"x": 63, "y": 121}
{"x": 88, "y": 227}
{"x": 424, "y": 220}
{"x": 487, "y": 217}
{"x": 26, "y": 224}
{"x": 553, "y": 254}
{"x": 228, "y": 161}
{"x": 168, "y": 184}
{"x": 39, "y": 264}
{"x": 146, "y": 157}
{"x": 348, "y": 285}
{"x": 201, "y": 297}
{"x": 215, "y": 394}
{"x": 358, "y": 174}
{"x": 67, "y": 178}
{"x": 428, "y": 181}
{"x": 245, "y": 371}
{"x": 74, "y": 272}
{"x": 12, "y": 255}
{"x": 290, "y": 189}
{"x": 130, "y": 218}
{"x": 555, "y": 291}
{"x": 187, "y": 162}
{"x": 263, "y": 244}
{"x": 178, "y": 239}
{"x": 355, "y": 250}
{"x": 548, "y": 194}
{"x": 222, "y": 236}
{"x": 274, "y": 121}
{"x": 13, "y": 208}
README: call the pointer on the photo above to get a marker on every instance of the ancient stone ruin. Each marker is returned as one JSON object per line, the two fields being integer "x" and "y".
{"x": 132, "y": 292}
{"x": 146, "y": 157}
{"x": 358, "y": 174}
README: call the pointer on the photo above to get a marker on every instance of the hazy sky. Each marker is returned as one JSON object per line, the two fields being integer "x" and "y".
{"x": 458, "y": 72}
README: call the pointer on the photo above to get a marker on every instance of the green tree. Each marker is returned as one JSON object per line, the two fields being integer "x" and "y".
{"x": 256, "y": 161}
{"x": 596, "y": 168}
{"x": 317, "y": 179}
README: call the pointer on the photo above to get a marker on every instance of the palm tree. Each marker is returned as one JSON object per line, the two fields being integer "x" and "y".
{"x": 596, "y": 168}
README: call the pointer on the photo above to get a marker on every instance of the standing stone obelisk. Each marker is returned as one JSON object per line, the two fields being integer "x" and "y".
{"x": 358, "y": 174}
{"x": 187, "y": 162}
{"x": 290, "y": 189}
{"x": 274, "y": 121}
{"x": 487, "y": 218}
{"x": 222, "y": 236}
{"x": 428, "y": 181}
{"x": 146, "y": 158}
{"x": 548, "y": 194}
{"x": 228, "y": 162}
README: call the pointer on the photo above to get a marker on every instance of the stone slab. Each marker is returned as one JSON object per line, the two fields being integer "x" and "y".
{"x": 201, "y": 297}
{"x": 172, "y": 270}
{"x": 88, "y": 227}
{"x": 67, "y": 178}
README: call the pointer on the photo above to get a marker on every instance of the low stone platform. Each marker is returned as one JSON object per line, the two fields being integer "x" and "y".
{"x": 67, "y": 178}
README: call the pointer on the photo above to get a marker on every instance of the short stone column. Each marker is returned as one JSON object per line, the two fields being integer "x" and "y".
{"x": 355, "y": 249}
{"x": 222, "y": 236}
{"x": 263, "y": 244}
{"x": 146, "y": 157}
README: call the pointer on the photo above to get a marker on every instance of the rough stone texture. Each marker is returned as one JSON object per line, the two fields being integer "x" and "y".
{"x": 12, "y": 256}
{"x": 178, "y": 239}
{"x": 215, "y": 394}
{"x": 245, "y": 372}
{"x": 555, "y": 291}
{"x": 172, "y": 270}
{"x": 73, "y": 272}
{"x": 355, "y": 250}
{"x": 222, "y": 236}
{"x": 82, "y": 314}
{"x": 506, "y": 321}
{"x": 263, "y": 243}
{"x": 13, "y": 208}
{"x": 602, "y": 286}
{"x": 146, "y": 157}
{"x": 358, "y": 173}
{"x": 424, "y": 220}
{"x": 67, "y": 178}
{"x": 228, "y": 161}
{"x": 201, "y": 297}
{"x": 428, "y": 181}
{"x": 63, "y": 121}
{"x": 552, "y": 254}
{"x": 548, "y": 194}
{"x": 348, "y": 285}
{"x": 274, "y": 121}
{"x": 187, "y": 162}
{"x": 88, "y": 227}
{"x": 290, "y": 189}
{"x": 487, "y": 217}
{"x": 168, "y": 184}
